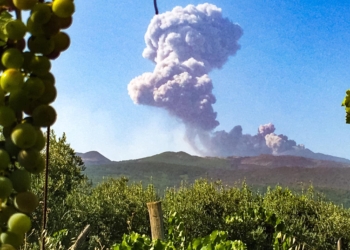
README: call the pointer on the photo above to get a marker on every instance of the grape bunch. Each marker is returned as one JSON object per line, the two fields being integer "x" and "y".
{"x": 27, "y": 90}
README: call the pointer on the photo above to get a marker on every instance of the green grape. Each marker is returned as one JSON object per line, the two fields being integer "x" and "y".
{"x": 2, "y": 96}
{"x": 40, "y": 141}
{"x": 66, "y": 22}
{"x": 34, "y": 86}
{"x": 52, "y": 27}
{"x": 12, "y": 238}
{"x": 11, "y": 79}
{"x": 4, "y": 159}
{"x": 28, "y": 56}
{"x": 34, "y": 28}
{"x": 28, "y": 119}
{"x": 48, "y": 78}
{"x": 15, "y": 29}
{"x": 33, "y": 104}
{"x": 54, "y": 54}
{"x": 38, "y": 167}
{"x": 5, "y": 213}
{"x": 40, "y": 13}
{"x": 21, "y": 180}
{"x": 6, "y": 131}
{"x": 61, "y": 41}
{"x": 12, "y": 58}
{"x": 19, "y": 100}
{"x": 19, "y": 115}
{"x": 5, "y": 2}
{"x": 7, "y": 116}
{"x": 44, "y": 116}
{"x": 40, "y": 65}
{"x": 24, "y": 135}
{"x": 24, "y": 4}
{"x": 26, "y": 202}
{"x": 28, "y": 157}
{"x": 19, "y": 223}
{"x": 5, "y": 187}
{"x": 17, "y": 44}
{"x": 63, "y": 8}
{"x": 41, "y": 44}
{"x": 49, "y": 94}
{"x": 7, "y": 247}
{"x": 11, "y": 148}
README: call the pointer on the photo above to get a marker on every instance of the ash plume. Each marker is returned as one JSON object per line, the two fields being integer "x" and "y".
{"x": 234, "y": 142}
{"x": 186, "y": 44}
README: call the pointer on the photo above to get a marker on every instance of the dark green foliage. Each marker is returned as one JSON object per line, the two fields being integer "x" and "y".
{"x": 216, "y": 240}
{"x": 112, "y": 209}
{"x": 313, "y": 222}
{"x": 316, "y": 223}
{"x": 117, "y": 207}
{"x": 204, "y": 206}
{"x": 207, "y": 206}
{"x": 168, "y": 169}
{"x": 65, "y": 179}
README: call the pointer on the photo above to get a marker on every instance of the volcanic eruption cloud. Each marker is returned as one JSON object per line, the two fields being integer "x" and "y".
{"x": 186, "y": 44}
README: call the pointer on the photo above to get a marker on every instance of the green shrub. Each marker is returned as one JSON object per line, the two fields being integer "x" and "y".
{"x": 115, "y": 207}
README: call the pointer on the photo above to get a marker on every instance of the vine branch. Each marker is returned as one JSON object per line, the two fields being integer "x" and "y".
{"x": 155, "y": 7}
{"x": 18, "y": 14}
{"x": 44, "y": 219}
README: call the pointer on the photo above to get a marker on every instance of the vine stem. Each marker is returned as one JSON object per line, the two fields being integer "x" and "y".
{"x": 44, "y": 220}
{"x": 155, "y": 6}
{"x": 18, "y": 14}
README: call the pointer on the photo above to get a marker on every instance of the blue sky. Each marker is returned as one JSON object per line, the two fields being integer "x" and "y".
{"x": 292, "y": 70}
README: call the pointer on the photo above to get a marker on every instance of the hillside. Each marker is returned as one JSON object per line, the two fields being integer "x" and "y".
{"x": 304, "y": 152}
{"x": 168, "y": 169}
{"x": 93, "y": 158}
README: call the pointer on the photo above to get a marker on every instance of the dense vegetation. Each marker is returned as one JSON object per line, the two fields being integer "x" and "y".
{"x": 116, "y": 207}
{"x": 168, "y": 169}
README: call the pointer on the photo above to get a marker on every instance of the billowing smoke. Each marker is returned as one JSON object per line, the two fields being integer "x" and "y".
{"x": 186, "y": 44}
{"x": 222, "y": 143}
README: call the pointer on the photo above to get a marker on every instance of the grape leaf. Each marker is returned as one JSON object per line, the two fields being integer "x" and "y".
{"x": 4, "y": 18}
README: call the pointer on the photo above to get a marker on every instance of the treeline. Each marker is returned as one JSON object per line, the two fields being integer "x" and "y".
{"x": 116, "y": 207}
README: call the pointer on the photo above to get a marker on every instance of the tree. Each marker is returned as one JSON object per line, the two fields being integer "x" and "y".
{"x": 73, "y": 202}
{"x": 65, "y": 178}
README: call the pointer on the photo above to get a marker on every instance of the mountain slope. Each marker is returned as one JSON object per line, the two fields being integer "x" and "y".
{"x": 169, "y": 168}
{"x": 312, "y": 155}
{"x": 185, "y": 159}
{"x": 93, "y": 158}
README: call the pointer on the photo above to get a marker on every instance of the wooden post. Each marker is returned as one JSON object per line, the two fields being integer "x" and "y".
{"x": 81, "y": 238}
{"x": 46, "y": 190}
{"x": 339, "y": 244}
{"x": 156, "y": 220}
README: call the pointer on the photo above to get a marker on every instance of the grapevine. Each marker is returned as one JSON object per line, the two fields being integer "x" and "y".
{"x": 27, "y": 91}
{"x": 346, "y": 104}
